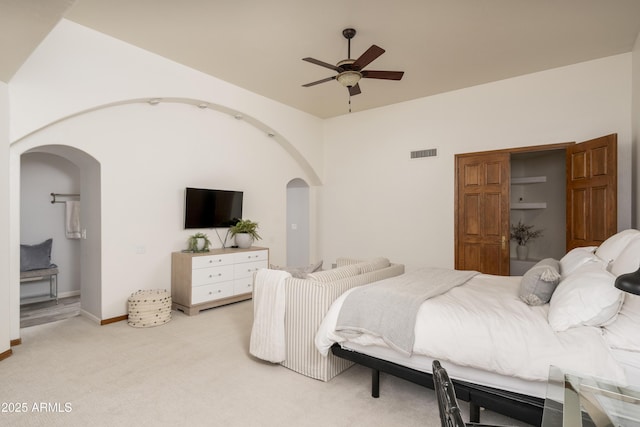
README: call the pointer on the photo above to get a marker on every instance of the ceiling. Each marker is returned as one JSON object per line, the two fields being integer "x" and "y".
{"x": 442, "y": 45}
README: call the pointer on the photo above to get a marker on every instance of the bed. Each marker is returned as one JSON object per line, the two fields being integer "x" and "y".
{"x": 497, "y": 336}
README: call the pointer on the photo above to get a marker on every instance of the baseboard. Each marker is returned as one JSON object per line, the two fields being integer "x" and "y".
{"x": 114, "y": 320}
{"x": 15, "y": 342}
{"x": 6, "y": 354}
{"x": 103, "y": 322}
{"x": 90, "y": 316}
{"x": 69, "y": 294}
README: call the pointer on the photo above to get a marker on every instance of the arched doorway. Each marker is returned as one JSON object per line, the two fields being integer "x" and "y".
{"x": 298, "y": 228}
{"x": 88, "y": 186}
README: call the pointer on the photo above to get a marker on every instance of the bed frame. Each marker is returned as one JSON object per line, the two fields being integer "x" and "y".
{"x": 518, "y": 406}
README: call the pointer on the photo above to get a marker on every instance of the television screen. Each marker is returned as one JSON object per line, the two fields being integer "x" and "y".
{"x": 204, "y": 208}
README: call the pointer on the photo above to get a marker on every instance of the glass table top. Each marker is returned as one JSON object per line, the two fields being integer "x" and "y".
{"x": 575, "y": 400}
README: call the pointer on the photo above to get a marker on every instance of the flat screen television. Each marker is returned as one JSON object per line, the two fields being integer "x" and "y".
{"x": 205, "y": 208}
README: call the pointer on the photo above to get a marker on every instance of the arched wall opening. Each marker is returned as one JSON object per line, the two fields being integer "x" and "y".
{"x": 298, "y": 223}
{"x": 137, "y": 158}
{"x": 88, "y": 262}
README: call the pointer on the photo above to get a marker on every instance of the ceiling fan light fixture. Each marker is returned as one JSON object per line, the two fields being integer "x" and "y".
{"x": 349, "y": 78}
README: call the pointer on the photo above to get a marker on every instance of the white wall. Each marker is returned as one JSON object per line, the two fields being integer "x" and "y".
{"x": 5, "y": 252}
{"x": 298, "y": 223}
{"x": 148, "y": 155}
{"x": 84, "y": 90}
{"x": 41, "y": 175}
{"x": 76, "y": 69}
{"x": 377, "y": 201}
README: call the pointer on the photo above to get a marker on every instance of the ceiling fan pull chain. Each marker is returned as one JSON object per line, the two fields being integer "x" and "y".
{"x": 349, "y": 103}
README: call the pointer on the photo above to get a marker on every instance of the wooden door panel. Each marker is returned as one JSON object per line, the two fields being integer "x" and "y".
{"x": 492, "y": 214}
{"x": 471, "y": 175}
{"x": 599, "y": 213}
{"x": 592, "y": 182}
{"x": 471, "y": 258}
{"x": 471, "y": 225}
{"x": 578, "y": 214}
{"x": 493, "y": 173}
{"x": 482, "y": 213}
{"x": 578, "y": 165}
{"x": 491, "y": 255}
{"x": 599, "y": 161}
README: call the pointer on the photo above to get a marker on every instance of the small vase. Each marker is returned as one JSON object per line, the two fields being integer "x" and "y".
{"x": 522, "y": 251}
{"x": 199, "y": 244}
{"x": 244, "y": 240}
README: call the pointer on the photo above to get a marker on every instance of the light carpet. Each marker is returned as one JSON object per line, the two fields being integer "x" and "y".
{"x": 193, "y": 371}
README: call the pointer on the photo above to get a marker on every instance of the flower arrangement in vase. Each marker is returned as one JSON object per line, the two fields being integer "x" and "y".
{"x": 522, "y": 233}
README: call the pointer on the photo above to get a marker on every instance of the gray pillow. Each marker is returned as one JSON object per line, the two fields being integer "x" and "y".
{"x": 539, "y": 282}
{"x": 299, "y": 272}
{"x": 35, "y": 257}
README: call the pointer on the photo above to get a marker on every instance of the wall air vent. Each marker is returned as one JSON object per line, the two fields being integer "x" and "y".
{"x": 431, "y": 152}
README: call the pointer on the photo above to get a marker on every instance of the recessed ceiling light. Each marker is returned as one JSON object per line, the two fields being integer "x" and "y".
{"x": 271, "y": 134}
{"x": 203, "y": 105}
{"x": 238, "y": 116}
{"x": 154, "y": 101}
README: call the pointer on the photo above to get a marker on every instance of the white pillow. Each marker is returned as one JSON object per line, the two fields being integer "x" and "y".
{"x": 587, "y": 297}
{"x": 613, "y": 246}
{"x": 577, "y": 257}
{"x": 629, "y": 259}
{"x": 623, "y": 333}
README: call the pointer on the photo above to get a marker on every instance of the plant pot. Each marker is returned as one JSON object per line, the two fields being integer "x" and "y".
{"x": 200, "y": 244}
{"x": 522, "y": 252}
{"x": 244, "y": 240}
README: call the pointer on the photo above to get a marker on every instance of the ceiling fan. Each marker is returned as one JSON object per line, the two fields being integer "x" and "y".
{"x": 350, "y": 71}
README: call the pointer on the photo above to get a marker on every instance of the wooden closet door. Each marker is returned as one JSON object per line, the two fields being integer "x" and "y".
{"x": 482, "y": 213}
{"x": 592, "y": 183}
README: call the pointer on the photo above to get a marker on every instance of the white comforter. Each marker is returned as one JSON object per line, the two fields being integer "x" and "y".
{"x": 484, "y": 325}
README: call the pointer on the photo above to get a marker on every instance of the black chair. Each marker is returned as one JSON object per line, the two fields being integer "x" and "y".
{"x": 450, "y": 415}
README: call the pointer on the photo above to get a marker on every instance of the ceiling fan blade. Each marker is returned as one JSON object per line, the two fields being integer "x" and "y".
{"x": 354, "y": 90}
{"x": 387, "y": 75}
{"x": 319, "y": 81}
{"x": 366, "y": 58}
{"x": 323, "y": 64}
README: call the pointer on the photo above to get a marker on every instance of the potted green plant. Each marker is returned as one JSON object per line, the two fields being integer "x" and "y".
{"x": 522, "y": 233}
{"x": 245, "y": 232}
{"x": 199, "y": 242}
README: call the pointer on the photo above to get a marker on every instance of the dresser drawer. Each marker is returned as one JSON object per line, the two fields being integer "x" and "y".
{"x": 247, "y": 269}
{"x": 211, "y": 260}
{"x": 206, "y": 293}
{"x": 243, "y": 286}
{"x": 205, "y": 276}
{"x": 251, "y": 256}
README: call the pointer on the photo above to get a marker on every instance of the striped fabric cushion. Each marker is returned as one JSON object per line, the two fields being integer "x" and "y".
{"x": 374, "y": 264}
{"x": 327, "y": 276}
{"x": 307, "y": 303}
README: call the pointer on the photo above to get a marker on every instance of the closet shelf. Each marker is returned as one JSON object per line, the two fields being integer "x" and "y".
{"x": 524, "y": 206}
{"x": 528, "y": 180}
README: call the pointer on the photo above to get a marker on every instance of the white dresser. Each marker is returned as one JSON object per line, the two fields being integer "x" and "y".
{"x": 211, "y": 279}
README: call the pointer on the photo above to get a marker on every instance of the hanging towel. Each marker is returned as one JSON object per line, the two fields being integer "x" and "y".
{"x": 72, "y": 222}
{"x": 267, "y": 340}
